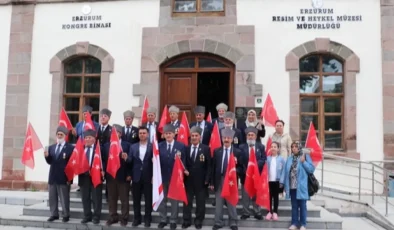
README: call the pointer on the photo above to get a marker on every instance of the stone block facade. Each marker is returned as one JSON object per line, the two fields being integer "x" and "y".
{"x": 215, "y": 35}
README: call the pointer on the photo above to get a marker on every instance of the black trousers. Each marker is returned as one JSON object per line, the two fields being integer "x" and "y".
{"x": 139, "y": 188}
{"x": 118, "y": 190}
{"x": 91, "y": 195}
{"x": 274, "y": 196}
{"x": 200, "y": 194}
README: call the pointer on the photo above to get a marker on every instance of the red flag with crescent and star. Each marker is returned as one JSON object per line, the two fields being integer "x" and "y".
{"x": 268, "y": 146}
{"x": 215, "y": 142}
{"x": 113, "y": 158}
{"x": 269, "y": 113}
{"x": 165, "y": 119}
{"x": 97, "y": 167}
{"x": 176, "y": 189}
{"x": 313, "y": 144}
{"x": 144, "y": 115}
{"x": 209, "y": 118}
{"x": 89, "y": 122}
{"x": 263, "y": 192}
{"x": 72, "y": 167}
{"x": 230, "y": 184}
{"x": 184, "y": 130}
{"x": 64, "y": 120}
{"x": 32, "y": 143}
{"x": 252, "y": 179}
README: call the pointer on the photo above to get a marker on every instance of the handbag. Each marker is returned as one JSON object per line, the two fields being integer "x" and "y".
{"x": 313, "y": 185}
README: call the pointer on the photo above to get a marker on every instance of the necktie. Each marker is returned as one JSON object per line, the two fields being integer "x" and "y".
{"x": 127, "y": 131}
{"x": 194, "y": 153}
{"x": 199, "y": 124}
{"x": 169, "y": 149}
{"x": 225, "y": 163}
{"x": 88, "y": 154}
{"x": 102, "y": 129}
{"x": 58, "y": 148}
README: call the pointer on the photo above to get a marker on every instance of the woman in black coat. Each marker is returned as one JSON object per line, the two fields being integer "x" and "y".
{"x": 251, "y": 120}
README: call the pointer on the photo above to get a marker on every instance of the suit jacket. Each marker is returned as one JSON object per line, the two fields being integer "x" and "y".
{"x": 237, "y": 137}
{"x": 132, "y": 138}
{"x": 167, "y": 159}
{"x": 217, "y": 165}
{"x": 103, "y": 160}
{"x": 158, "y": 134}
{"x": 206, "y": 136}
{"x": 241, "y": 125}
{"x": 79, "y": 128}
{"x": 199, "y": 168}
{"x": 214, "y": 120}
{"x": 142, "y": 170}
{"x": 104, "y": 137}
{"x": 261, "y": 157}
{"x": 176, "y": 125}
{"x": 58, "y": 163}
{"x": 125, "y": 167}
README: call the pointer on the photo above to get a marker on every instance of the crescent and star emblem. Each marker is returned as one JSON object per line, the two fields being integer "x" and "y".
{"x": 63, "y": 122}
{"x": 89, "y": 125}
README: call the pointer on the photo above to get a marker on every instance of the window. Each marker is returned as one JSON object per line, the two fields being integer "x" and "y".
{"x": 202, "y": 7}
{"x": 81, "y": 87}
{"x": 321, "y": 99}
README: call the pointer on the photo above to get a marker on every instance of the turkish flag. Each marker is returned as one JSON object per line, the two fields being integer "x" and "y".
{"x": 252, "y": 175}
{"x": 113, "y": 158}
{"x": 209, "y": 118}
{"x": 230, "y": 184}
{"x": 263, "y": 192}
{"x": 269, "y": 113}
{"x": 89, "y": 122}
{"x": 165, "y": 119}
{"x": 65, "y": 121}
{"x": 32, "y": 143}
{"x": 97, "y": 167}
{"x": 176, "y": 190}
{"x": 144, "y": 116}
{"x": 83, "y": 163}
{"x": 312, "y": 143}
{"x": 215, "y": 142}
{"x": 268, "y": 146}
{"x": 184, "y": 130}
{"x": 72, "y": 167}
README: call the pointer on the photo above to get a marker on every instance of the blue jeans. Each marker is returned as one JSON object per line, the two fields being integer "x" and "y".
{"x": 298, "y": 209}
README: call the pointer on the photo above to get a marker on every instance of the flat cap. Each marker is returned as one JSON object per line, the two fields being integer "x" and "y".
{"x": 89, "y": 132}
{"x": 251, "y": 129}
{"x": 196, "y": 129}
{"x": 199, "y": 109}
{"x": 106, "y": 112}
{"x": 227, "y": 132}
{"x": 151, "y": 110}
{"x": 229, "y": 114}
{"x": 62, "y": 129}
{"x": 173, "y": 109}
{"x": 118, "y": 128}
{"x": 169, "y": 128}
{"x": 87, "y": 108}
{"x": 128, "y": 113}
{"x": 222, "y": 106}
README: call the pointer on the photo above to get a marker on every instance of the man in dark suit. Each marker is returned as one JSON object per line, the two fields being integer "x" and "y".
{"x": 259, "y": 150}
{"x": 57, "y": 156}
{"x": 198, "y": 163}
{"x": 129, "y": 132}
{"x": 104, "y": 135}
{"x": 229, "y": 123}
{"x": 90, "y": 194}
{"x": 220, "y": 160}
{"x": 152, "y": 125}
{"x": 168, "y": 150}
{"x": 141, "y": 160}
{"x": 174, "y": 115}
{"x": 206, "y": 127}
{"x": 119, "y": 186}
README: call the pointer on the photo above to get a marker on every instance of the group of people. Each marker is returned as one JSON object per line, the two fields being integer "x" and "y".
{"x": 288, "y": 168}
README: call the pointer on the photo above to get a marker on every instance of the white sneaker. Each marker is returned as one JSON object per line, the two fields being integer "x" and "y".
{"x": 293, "y": 227}
{"x": 302, "y": 228}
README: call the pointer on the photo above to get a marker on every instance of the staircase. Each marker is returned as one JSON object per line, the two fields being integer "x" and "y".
{"x": 36, "y": 215}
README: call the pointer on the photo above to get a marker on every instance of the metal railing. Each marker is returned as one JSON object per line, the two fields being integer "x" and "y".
{"x": 367, "y": 179}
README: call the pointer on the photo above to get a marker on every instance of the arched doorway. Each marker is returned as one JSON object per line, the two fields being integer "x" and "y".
{"x": 197, "y": 79}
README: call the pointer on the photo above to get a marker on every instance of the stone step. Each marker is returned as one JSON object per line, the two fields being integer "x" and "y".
{"x": 283, "y": 210}
{"x": 331, "y": 221}
{"x": 41, "y": 223}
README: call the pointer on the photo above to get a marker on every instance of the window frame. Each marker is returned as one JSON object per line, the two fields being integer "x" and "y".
{"x": 82, "y": 95}
{"x": 321, "y": 96}
{"x": 198, "y": 12}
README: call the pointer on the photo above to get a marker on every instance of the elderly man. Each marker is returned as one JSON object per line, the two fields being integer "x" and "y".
{"x": 252, "y": 144}
{"x": 206, "y": 127}
{"x": 90, "y": 194}
{"x": 152, "y": 125}
{"x": 129, "y": 132}
{"x": 104, "y": 132}
{"x": 229, "y": 123}
{"x": 221, "y": 109}
{"x": 57, "y": 156}
{"x": 80, "y": 126}
{"x": 220, "y": 161}
{"x": 118, "y": 187}
{"x": 168, "y": 150}
{"x": 174, "y": 115}
{"x": 198, "y": 163}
